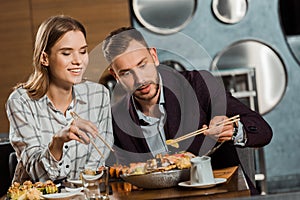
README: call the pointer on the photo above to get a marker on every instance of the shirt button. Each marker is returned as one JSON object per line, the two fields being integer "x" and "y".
{"x": 60, "y": 164}
{"x": 67, "y": 166}
{"x": 66, "y": 146}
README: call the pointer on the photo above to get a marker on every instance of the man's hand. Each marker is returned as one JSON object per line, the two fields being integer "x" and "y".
{"x": 220, "y": 132}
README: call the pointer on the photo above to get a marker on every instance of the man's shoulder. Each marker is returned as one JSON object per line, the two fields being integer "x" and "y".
{"x": 196, "y": 74}
{"x": 168, "y": 72}
{"x": 192, "y": 77}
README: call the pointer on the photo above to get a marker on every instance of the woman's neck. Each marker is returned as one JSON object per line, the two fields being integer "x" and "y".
{"x": 60, "y": 97}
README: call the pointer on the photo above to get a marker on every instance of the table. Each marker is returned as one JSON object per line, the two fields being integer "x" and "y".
{"x": 235, "y": 187}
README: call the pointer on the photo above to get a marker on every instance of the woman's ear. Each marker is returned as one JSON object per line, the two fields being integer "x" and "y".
{"x": 44, "y": 59}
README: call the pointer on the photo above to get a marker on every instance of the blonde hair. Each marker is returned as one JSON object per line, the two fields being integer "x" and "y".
{"x": 49, "y": 32}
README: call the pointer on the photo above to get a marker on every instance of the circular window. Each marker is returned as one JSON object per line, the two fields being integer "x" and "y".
{"x": 230, "y": 11}
{"x": 270, "y": 72}
{"x": 164, "y": 16}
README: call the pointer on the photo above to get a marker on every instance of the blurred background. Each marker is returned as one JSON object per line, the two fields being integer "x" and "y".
{"x": 252, "y": 45}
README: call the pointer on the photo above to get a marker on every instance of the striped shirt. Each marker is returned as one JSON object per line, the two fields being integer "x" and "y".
{"x": 34, "y": 122}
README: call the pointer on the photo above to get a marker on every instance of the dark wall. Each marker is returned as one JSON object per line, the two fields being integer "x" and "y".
{"x": 5, "y": 181}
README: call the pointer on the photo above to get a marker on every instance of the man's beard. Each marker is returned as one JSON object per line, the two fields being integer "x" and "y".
{"x": 147, "y": 98}
{"x": 154, "y": 83}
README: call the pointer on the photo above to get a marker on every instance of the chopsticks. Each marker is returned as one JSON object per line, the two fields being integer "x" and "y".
{"x": 76, "y": 116}
{"x": 174, "y": 142}
{"x": 94, "y": 144}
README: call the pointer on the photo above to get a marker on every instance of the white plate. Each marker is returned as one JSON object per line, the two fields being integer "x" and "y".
{"x": 75, "y": 181}
{"x": 73, "y": 189}
{"x": 203, "y": 185}
{"x": 60, "y": 195}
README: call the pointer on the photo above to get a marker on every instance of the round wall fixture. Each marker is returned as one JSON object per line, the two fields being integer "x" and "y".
{"x": 270, "y": 72}
{"x": 164, "y": 16}
{"x": 230, "y": 11}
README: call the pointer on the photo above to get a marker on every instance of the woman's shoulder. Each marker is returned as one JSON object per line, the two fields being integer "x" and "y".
{"x": 91, "y": 87}
{"x": 90, "y": 84}
{"x": 18, "y": 93}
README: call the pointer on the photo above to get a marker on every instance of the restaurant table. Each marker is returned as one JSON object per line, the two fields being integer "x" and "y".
{"x": 236, "y": 186}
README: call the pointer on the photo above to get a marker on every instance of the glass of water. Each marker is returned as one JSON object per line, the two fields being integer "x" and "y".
{"x": 91, "y": 183}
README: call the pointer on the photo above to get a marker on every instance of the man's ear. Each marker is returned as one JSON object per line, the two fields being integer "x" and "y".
{"x": 154, "y": 56}
{"x": 45, "y": 59}
{"x": 112, "y": 72}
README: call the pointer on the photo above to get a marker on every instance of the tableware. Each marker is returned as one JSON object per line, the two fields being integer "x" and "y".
{"x": 155, "y": 180}
{"x": 61, "y": 195}
{"x": 90, "y": 177}
{"x": 174, "y": 142}
{"x": 202, "y": 185}
{"x": 201, "y": 171}
{"x": 91, "y": 184}
{"x": 68, "y": 189}
{"x": 96, "y": 186}
{"x": 76, "y": 116}
{"x": 77, "y": 182}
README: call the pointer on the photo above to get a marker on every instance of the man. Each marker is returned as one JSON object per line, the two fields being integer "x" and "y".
{"x": 154, "y": 103}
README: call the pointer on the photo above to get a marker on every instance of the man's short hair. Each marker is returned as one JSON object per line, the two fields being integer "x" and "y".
{"x": 118, "y": 41}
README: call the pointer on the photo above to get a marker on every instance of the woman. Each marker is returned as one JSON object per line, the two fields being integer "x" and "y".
{"x": 49, "y": 143}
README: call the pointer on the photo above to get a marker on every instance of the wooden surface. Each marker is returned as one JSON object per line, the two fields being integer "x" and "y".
{"x": 236, "y": 187}
{"x": 19, "y": 21}
{"x": 15, "y": 50}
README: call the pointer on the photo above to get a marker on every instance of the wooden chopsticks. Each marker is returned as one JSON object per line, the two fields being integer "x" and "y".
{"x": 76, "y": 116}
{"x": 93, "y": 143}
{"x": 173, "y": 142}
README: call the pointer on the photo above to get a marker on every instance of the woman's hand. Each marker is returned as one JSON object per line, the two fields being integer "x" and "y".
{"x": 78, "y": 130}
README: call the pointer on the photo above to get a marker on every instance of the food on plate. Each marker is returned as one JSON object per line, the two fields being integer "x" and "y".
{"x": 50, "y": 188}
{"x": 137, "y": 168}
{"x": 159, "y": 163}
{"x": 30, "y": 191}
{"x": 116, "y": 170}
{"x": 89, "y": 172}
{"x": 92, "y": 172}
